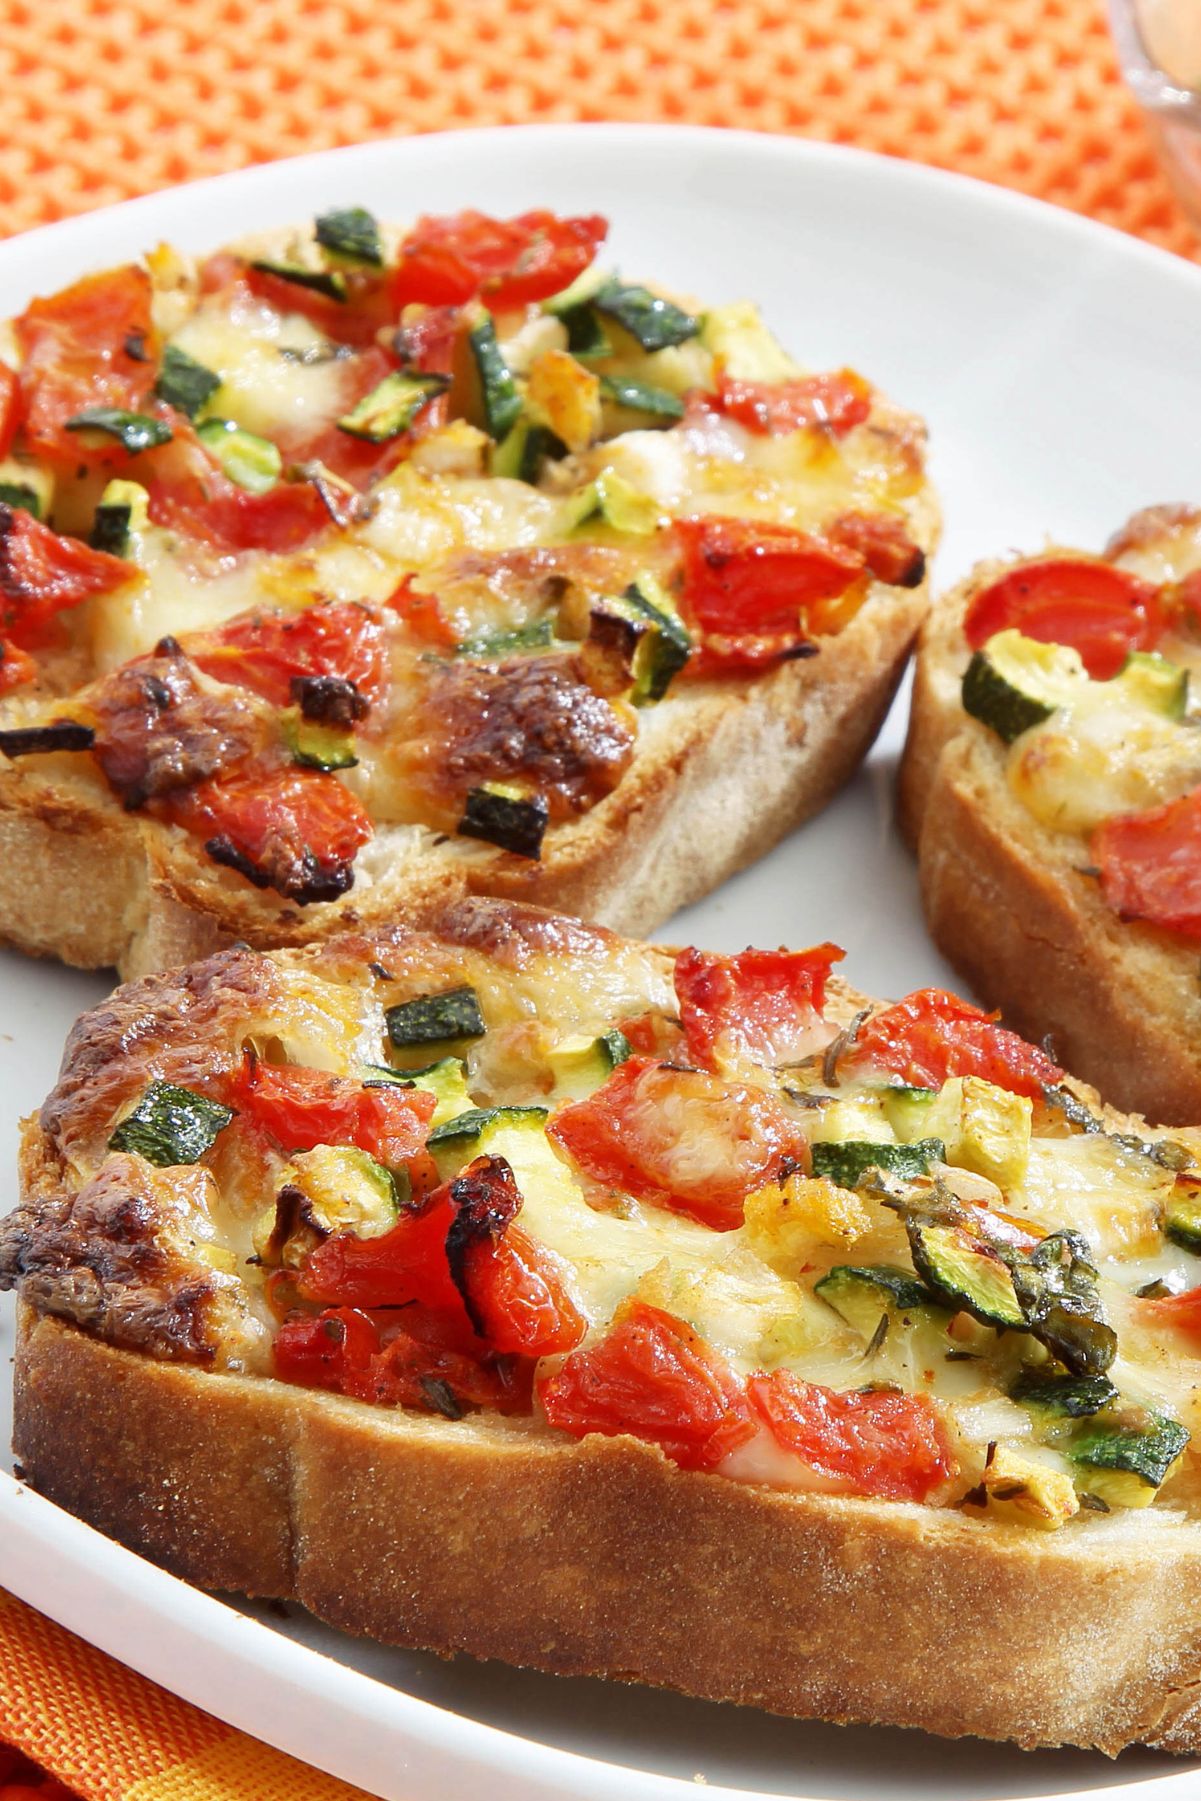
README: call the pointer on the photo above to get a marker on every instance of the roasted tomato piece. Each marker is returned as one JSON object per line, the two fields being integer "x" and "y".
{"x": 931, "y": 1035}
{"x": 882, "y": 541}
{"x": 837, "y": 401}
{"x": 356, "y": 320}
{"x": 189, "y": 493}
{"x": 877, "y": 1443}
{"x": 752, "y": 578}
{"x": 513, "y": 1289}
{"x": 10, "y": 407}
{"x": 301, "y": 1108}
{"x": 507, "y": 262}
{"x": 90, "y": 345}
{"x": 294, "y": 830}
{"x": 267, "y": 652}
{"x": 343, "y": 1350}
{"x": 158, "y": 731}
{"x": 653, "y": 1377}
{"x": 1082, "y": 602}
{"x": 1180, "y": 1310}
{"x": 322, "y": 440}
{"x": 679, "y": 1138}
{"x": 422, "y": 617}
{"x": 1150, "y": 864}
{"x": 331, "y": 1351}
{"x": 43, "y": 573}
{"x": 765, "y": 1005}
{"x": 529, "y": 720}
{"x": 405, "y": 1267}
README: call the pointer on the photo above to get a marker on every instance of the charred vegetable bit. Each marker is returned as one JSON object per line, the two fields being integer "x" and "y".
{"x": 184, "y": 383}
{"x": 134, "y": 432}
{"x": 315, "y": 745}
{"x": 171, "y": 1125}
{"x": 436, "y": 1018}
{"x": 351, "y": 232}
{"x": 512, "y": 821}
{"x": 487, "y": 1201}
{"x": 329, "y": 699}
{"x": 60, "y": 734}
{"x": 647, "y": 643}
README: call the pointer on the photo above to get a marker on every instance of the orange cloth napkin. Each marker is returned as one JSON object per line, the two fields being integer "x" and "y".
{"x": 108, "y": 98}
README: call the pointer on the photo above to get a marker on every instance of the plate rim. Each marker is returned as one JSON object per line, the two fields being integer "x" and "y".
{"x": 30, "y": 1526}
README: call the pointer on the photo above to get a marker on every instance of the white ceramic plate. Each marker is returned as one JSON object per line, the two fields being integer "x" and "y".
{"x": 1057, "y": 365}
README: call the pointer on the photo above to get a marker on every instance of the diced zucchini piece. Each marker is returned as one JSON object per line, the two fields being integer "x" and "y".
{"x": 122, "y": 511}
{"x": 907, "y": 1110}
{"x": 506, "y": 817}
{"x": 392, "y": 405}
{"x": 654, "y": 323}
{"x": 644, "y": 629}
{"x": 965, "y": 1273}
{"x": 583, "y": 289}
{"x": 1124, "y": 1454}
{"x": 862, "y": 1295}
{"x": 317, "y": 746}
{"x": 742, "y": 344}
{"x": 624, "y": 508}
{"x": 636, "y": 405}
{"x": 845, "y": 1163}
{"x": 350, "y": 232}
{"x": 484, "y": 381}
{"x": 346, "y": 1188}
{"x": 1063, "y": 1397}
{"x": 1015, "y": 682}
{"x": 26, "y": 486}
{"x": 534, "y": 636}
{"x": 21, "y": 497}
{"x": 171, "y": 1125}
{"x": 436, "y": 1018}
{"x": 184, "y": 383}
{"x": 984, "y": 1128}
{"x": 1028, "y": 1493}
{"x": 1182, "y": 1223}
{"x": 580, "y": 1065}
{"x": 524, "y": 452}
{"x": 252, "y": 462}
{"x": 587, "y": 338}
{"x": 446, "y": 1080}
{"x": 330, "y": 282}
{"x": 463, "y": 1137}
{"x": 133, "y": 431}
{"x": 1157, "y": 683}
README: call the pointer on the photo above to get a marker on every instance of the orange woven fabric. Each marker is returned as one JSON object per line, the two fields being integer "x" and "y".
{"x": 107, "y": 98}
{"x": 103, "y": 99}
{"x": 113, "y": 1736}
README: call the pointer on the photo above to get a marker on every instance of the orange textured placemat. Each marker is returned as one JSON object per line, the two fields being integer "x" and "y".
{"x": 107, "y": 98}
{"x": 113, "y": 1736}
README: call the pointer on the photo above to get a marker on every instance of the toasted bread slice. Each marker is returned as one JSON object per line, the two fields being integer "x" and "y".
{"x": 1005, "y": 837}
{"x": 399, "y": 599}
{"x": 949, "y": 1478}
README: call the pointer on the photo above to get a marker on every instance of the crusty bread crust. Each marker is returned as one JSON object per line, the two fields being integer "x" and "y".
{"x": 745, "y": 763}
{"x": 601, "y": 1558}
{"x": 1008, "y": 904}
